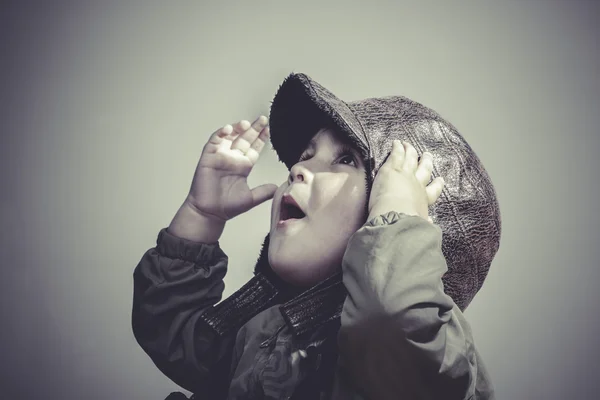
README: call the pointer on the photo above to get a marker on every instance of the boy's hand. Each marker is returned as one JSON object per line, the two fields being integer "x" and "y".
{"x": 219, "y": 188}
{"x": 401, "y": 183}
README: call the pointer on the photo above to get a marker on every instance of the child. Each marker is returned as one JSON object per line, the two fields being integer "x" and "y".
{"x": 356, "y": 294}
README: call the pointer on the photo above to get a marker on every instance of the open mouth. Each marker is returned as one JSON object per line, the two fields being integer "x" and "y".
{"x": 290, "y": 210}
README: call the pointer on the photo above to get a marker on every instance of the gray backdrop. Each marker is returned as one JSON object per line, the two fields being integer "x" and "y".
{"x": 106, "y": 107}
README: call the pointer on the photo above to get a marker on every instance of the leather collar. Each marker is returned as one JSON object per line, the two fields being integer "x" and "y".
{"x": 303, "y": 310}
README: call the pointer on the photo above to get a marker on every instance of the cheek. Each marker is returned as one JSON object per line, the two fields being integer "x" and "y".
{"x": 342, "y": 203}
{"x": 354, "y": 203}
{"x": 333, "y": 191}
{"x": 340, "y": 219}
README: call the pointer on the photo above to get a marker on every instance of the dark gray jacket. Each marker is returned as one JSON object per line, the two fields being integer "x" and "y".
{"x": 396, "y": 335}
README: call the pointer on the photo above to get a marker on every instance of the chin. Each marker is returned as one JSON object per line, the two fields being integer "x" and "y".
{"x": 299, "y": 275}
{"x": 292, "y": 276}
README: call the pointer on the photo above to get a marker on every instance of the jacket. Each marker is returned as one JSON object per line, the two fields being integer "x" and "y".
{"x": 397, "y": 335}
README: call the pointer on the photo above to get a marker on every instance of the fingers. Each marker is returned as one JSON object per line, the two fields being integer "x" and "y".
{"x": 249, "y": 139}
{"x": 263, "y": 193}
{"x": 217, "y": 136}
{"x": 248, "y": 133}
{"x": 242, "y": 126}
{"x": 403, "y": 156}
{"x": 257, "y": 146}
{"x": 425, "y": 168}
{"x": 434, "y": 189}
{"x": 396, "y": 158}
{"x": 410, "y": 158}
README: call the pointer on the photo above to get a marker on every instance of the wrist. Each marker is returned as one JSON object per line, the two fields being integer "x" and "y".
{"x": 191, "y": 224}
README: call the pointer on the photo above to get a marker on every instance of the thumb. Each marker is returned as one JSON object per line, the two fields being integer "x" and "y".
{"x": 262, "y": 193}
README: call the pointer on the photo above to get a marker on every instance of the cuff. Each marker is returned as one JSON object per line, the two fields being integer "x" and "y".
{"x": 175, "y": 247}
{"x": 389, "y": 218}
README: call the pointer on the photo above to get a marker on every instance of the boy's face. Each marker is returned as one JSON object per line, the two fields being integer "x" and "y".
{"x": 329, "y": 186}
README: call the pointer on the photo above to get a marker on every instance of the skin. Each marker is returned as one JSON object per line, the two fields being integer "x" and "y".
{"x": 402, "y": 183}
{"x": 331, "y": 190}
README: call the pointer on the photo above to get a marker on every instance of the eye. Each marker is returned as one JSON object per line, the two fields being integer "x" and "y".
{"x": 303, "y": 157}
{"x": 348, "y": 156}
{"x": 346, "y": 153}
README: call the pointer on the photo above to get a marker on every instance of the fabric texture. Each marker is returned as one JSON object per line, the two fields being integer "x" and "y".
{"x": 388, "y": 343}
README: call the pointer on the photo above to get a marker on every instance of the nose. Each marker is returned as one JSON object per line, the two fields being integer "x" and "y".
{"x": 298, "y": 173}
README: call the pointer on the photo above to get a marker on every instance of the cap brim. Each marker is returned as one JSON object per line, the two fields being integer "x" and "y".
{"x": 300, "y": 108}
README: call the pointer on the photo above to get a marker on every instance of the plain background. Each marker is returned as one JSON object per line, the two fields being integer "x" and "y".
{"x": 106, "y": 107}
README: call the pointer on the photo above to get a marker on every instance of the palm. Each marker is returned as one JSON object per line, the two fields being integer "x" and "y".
{"x": 220, "y": 186}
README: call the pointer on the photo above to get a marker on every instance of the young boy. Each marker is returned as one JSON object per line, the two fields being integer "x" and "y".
{"x": 353, "y": 295}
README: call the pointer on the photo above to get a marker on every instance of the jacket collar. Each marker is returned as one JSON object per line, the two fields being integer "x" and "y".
{"x": 315, "y": 307}
{"x": 303, "y": 310}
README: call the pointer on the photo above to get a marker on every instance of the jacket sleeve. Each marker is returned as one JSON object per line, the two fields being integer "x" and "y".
{"x": 401, "y": 336}
{"x": 174, "y": 283}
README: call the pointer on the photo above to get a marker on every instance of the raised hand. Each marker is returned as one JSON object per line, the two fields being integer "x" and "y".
{"x": 401, "y": 183}
{"x": 220, "y": 188}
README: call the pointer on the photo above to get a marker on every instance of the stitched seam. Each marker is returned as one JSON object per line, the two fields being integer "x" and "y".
{"x": 495, "y": 209}
{"x": 444, "y": 190}
{"x": 454, "y": 213}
